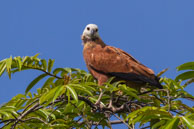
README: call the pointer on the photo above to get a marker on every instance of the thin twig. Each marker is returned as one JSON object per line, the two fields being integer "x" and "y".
{"x": 7, "y": 124}
{"x": 78, "y": 120}
{"x": 99, "y": 98}
{"x": 81, "y": 112}
{"x": 112, "y": 122}
{"x": 24, "y": 114}
{"x": 109, "y": 122}
{"x": 145, "y": 127}
{"x": 169, "y": 103}
{"x": 6, "y": 121}
{"x": 36, "y": 118}
{"x": 55, "y": 109}
{"x": 188, "y": 98}
{"x": 122, "y": 120}
{"x": 159, "y": 99}
{"x": 145, "y": 92}
{"x": 87, "y": 101}
{"x": 44, "y": 72}
{"x": 97, "y": 123}
{"x": 103, "y": 109}
{"x": 178, "y": 112}
{"x": 29, "y": 106}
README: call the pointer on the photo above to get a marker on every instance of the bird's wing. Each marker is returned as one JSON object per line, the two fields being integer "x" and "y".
{"x": 116, "y": 62}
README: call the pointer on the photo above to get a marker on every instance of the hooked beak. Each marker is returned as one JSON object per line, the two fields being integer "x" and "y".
{"x": 92, "y": 32}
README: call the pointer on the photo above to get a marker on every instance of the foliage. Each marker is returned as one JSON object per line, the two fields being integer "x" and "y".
{"x": 68, "y": 99}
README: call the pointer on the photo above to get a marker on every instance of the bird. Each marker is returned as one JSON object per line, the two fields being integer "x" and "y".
{"x": 104, "y": 61}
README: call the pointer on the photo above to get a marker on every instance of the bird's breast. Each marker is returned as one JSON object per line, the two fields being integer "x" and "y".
{"x": 88, "y": 51}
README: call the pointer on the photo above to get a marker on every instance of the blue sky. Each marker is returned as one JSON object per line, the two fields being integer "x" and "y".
{"x": 159, "y": 33}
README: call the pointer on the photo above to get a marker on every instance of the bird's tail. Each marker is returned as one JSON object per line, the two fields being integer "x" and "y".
{"x": 157, "y": 83}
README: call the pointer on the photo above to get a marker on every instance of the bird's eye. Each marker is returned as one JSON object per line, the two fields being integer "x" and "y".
{"x": 88, "y": 28}
{"x": 96, "y": 30}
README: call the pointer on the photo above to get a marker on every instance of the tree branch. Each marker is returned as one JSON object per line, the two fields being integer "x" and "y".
{"x": 122, "y": 120}
{"x": 44, "y": 72}
{"x": 24, "y": 114}
{"x": 36, "y": 118}
{"x": 111, "y": 122}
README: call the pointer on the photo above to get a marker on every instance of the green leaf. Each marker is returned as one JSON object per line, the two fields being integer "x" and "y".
{"x": 81, "y": 88}
{"x": 59, "y": 91}
{"x": 19, "y": 96}
{"x": 69, "y": 70}
{"x": 90, "y": 88}
{"x": 59, "y": 82}
{"x": 68, "y": 96}
{"x": 48, "y": 82}
{"x": 26, "y": 59}
{"x": 58, "y": 120}
{"x": 42, "y": 113}
{"x": 109, "y": 80}
{"x": 59, "y": 125}
{"x": 49, "y": 96}
{"x": 6, "y": 110}
{"x": 20, "y": 103}
{"x": 44, "y": 64}
{"x": 186, "y": 66}
{"x": 4, "y": 113}
{"x": 135, "y": 113}
{"x": 172, "y": 124}
{"x": 36, "y": 80}
{"x": 115, "y": 84}
{"x": 129, "y": 91}
{"x": 2, "y": 67}
{"x": 35, "y": 56}
{"x": 124, "y": 87}
{"x": 185, "y": 76}
{"x": 72, "y": 91}
{"x": 156, "y": 125}
{"x": 188, "y": 122}
{"x": 57, "y": 70}
{"x": 50, "y": 65}
{"x": 19, "y": 62}
{"x": 162, "y": 72}
{"x": 23, "y": 126}
{"x": 155, "y": 114}
{"x": 8, "y": 65}
{"x": 189, "y": 82}
{"x": 29, "y": 94}
{"x": 17, "y": 70}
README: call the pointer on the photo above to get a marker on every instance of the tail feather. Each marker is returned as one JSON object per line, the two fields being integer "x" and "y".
{"x": 157, "y": 83}
{"x": 138, "y": 78}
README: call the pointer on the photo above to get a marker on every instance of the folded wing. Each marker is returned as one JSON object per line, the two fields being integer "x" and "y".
{"x": 113, "y": 61}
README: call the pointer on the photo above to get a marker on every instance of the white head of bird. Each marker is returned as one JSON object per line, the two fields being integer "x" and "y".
{"x": 91, "y": 31}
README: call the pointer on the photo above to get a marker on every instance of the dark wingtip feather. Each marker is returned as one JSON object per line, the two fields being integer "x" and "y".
{"x": 138, "y": 78}
{"x": 158, "y": 83}
{"x": 160, "y": 86}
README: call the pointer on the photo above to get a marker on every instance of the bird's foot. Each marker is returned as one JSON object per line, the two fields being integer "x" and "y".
{"x": 98, "y": 104}
{"x": 99, "y": 99}
{"x": 110, "y": 106}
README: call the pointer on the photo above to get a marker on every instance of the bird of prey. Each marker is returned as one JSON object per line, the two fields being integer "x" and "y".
{"x": 104, "y": 61}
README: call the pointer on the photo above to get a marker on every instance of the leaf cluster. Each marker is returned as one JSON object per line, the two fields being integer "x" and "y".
{"x": 68, "y": 97}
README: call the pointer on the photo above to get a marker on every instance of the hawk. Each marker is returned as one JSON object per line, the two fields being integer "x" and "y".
{"x": 104, "y": 61}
